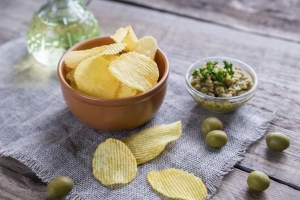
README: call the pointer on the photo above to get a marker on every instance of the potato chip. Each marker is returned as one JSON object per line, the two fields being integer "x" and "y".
{"x": 113, "y": 49}
{"x": 125, "y": 91}
{"x": 73, "y": 58}
{"x": 135, "y": 70}
{"x": 177, "y": 184}
{"x": 149, "y": 143}
{"x": 113, "y": 163}
{"x": 125, "y": 35}
{"x": 70, "y": 77}
{"x": 130, "y": 39}
{"x": 146, "y": 46}
{"x": 93, "y": 78}
{"x": 110, "y": 58}
{"x": 120, "y": 34}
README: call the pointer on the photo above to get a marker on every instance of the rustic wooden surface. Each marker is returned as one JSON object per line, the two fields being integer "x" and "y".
{"x": 183, "y": 32}
{"x": 276, "y": 18}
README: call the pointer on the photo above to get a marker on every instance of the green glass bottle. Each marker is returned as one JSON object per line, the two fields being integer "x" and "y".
{"x": 58, "y": 25}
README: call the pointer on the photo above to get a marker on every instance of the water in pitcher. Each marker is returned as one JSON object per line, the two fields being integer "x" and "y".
{"x": 57, "y": 26}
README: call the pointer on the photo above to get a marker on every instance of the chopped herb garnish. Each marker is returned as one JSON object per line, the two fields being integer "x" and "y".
{"x": 228, "y": 68}
{"x": 218, "y": 74}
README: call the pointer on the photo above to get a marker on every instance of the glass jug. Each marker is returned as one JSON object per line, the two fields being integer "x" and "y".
{"x": 58, "y": 25}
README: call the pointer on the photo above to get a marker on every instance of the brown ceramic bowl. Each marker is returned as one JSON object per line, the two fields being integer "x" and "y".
{"x": 114, "y": 114}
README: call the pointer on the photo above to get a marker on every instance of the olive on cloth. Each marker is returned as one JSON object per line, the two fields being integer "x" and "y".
{"x": 216, "y": 139}
{"x": 210, "y": 124}
{"x": 60, "y": 186}
{"x": 277, "y": 141}
{"x": 258, "y": 181}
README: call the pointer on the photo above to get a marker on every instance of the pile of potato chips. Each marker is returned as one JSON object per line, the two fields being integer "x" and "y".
{"x": 115, "y": 162}
{"x": 122, "y": 69}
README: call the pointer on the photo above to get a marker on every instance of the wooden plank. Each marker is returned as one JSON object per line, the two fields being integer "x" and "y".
{"x": 269, "y": 17}
{"x": 186, "y": 41}
{"x": 17, "y": 187}
{"x": 282, "y": 166}
{"x": 16, "y": 166}
{"x": 234, "y": 186}
{"x": 7, "y": 35}
{"x": 15, "y": 16}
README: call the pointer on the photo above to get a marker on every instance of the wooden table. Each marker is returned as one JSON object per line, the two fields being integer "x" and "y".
{"x": 265, "y": 34}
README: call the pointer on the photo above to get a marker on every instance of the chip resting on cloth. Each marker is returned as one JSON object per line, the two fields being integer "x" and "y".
{"x": 149, "y": 143}
{"x": 135, "y": 70}
{"x": 113, "y": 163}
{"x": 177, "y": 184}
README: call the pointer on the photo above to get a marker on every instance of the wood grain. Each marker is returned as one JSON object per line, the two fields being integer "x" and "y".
{"x": 269, "y": 17}
{"x": 186, "y": 40}
{"x": 17, "y": 187}
{"x": 281, "y": 166}
{"x": 234, "y": 187}
{"x": 15, "y": 16}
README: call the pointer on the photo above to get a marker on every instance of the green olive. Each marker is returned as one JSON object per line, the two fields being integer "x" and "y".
{"x": 60, "y": 186}
{"x": 277, "y": 141}
{"x": 258, "y": 181}
{"x": 216, "y": 139}
{"x": 210, "y": 124}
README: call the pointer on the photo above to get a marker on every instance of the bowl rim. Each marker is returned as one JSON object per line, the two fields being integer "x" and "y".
{"x": 245, "y": 95}
{"x": 109, "y": 102}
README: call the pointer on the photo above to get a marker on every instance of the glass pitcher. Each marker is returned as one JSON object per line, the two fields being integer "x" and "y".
{"x": 58, "y": 25}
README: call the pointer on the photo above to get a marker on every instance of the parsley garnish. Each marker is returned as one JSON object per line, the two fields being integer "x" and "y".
{"x": 217, "y": 74}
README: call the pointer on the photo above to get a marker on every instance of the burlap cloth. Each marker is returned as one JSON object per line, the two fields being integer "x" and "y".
{"x": 37, "y": 129}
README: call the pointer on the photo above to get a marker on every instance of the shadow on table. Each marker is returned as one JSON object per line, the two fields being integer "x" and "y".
{"x": 275, "y": 156}
{"x": 27, "y": 70}
{"x": 251, "y": 195}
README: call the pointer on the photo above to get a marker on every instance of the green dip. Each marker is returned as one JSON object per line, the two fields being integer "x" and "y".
{"x": 217, "y": 81}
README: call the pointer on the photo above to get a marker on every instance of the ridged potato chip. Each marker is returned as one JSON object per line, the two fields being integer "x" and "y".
{"x": 177, "y": 184}
{"x": 120, "y": 34}
{"x": 93, "y": 78}
{"x": 73, "y": 58}
{"x": 130, "y": 39}
{"x": 135, "y": 70}
{"x": 146, "y": 46}
{"x": 149, "y": 143}
{"x": 70, "y": 77}
{"x": 110, "y": 58}
{"x": 125, "y": 35}
{"x": 125, "y": 91}
{"x": 113, "y": 163}
{"x": 113, "y": 49}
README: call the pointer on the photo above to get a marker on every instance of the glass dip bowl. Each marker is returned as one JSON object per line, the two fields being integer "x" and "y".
{"x": 221, "y": 104}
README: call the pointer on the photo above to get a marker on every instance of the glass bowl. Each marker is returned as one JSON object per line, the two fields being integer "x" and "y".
{"x": 220, "y": 104}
